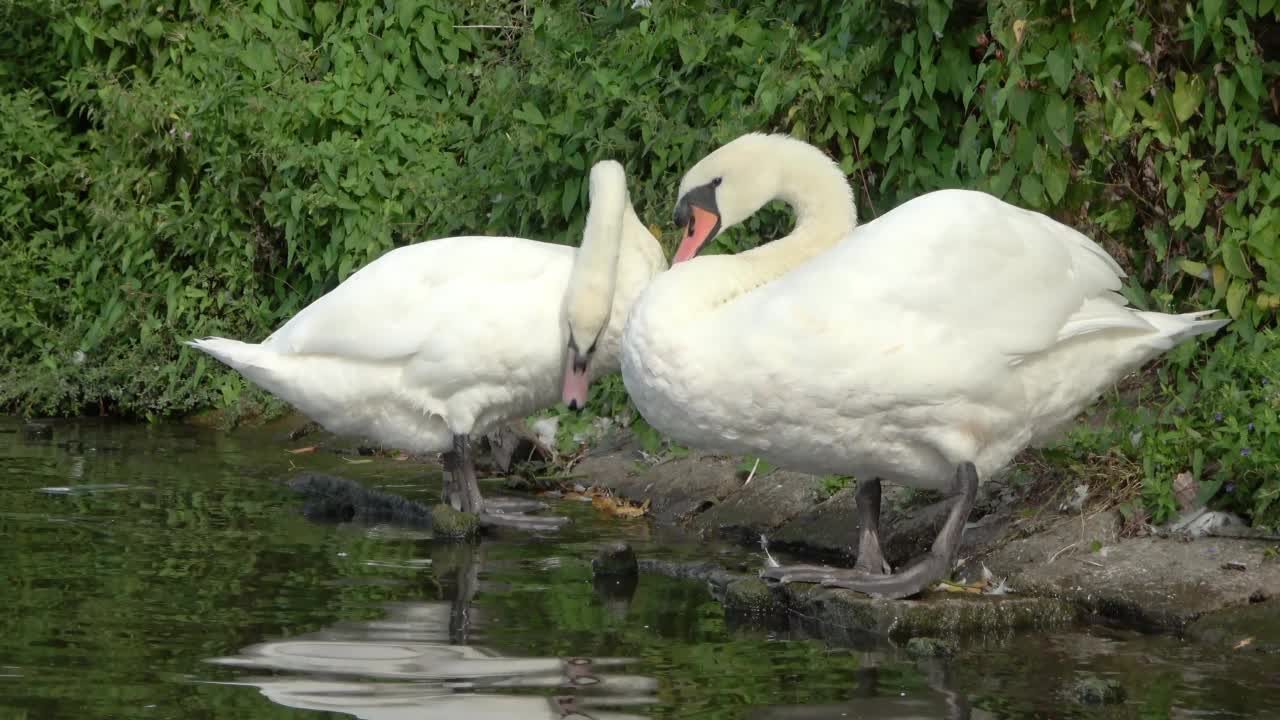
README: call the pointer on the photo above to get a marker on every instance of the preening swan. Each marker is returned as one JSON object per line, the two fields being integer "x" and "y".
{"x": 434, "y": 342}
{"x": 926, "y": 348}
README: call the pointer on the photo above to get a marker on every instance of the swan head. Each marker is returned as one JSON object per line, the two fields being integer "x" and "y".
{"x": 741, "y": 176}
{"x": 589, "y": 298}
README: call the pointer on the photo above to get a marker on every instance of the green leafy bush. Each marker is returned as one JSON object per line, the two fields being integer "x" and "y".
{"x": 185, "y": 167}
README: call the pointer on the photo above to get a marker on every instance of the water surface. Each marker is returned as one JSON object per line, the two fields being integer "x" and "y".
{"x": 162, "y": 572}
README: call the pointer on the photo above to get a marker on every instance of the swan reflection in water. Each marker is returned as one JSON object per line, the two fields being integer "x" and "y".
{"x": 422, "y": 664}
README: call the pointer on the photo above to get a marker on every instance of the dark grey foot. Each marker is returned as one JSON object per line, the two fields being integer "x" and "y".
{"x": 918, "y": 576}
{"x": 511, "y": 505}
{"x": 520, "y": 521}
{"x": 819, "y": 574}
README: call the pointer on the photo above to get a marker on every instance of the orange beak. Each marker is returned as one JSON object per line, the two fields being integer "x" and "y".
{"x": 702, "y": 224}
{"x": 576, "y": 383}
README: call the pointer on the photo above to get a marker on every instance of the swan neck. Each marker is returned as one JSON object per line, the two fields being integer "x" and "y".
{"x": 593, "y": 280}
{"x": 822, "y": 200}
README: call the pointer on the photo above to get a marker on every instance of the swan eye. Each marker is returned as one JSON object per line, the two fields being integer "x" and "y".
{"x": 716, "y": 182}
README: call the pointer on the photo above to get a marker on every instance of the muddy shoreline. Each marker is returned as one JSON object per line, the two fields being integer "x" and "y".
{"x": 1063, "y": 565}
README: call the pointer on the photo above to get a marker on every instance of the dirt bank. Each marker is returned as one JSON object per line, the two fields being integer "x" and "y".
{"x": 1062, "y": 564}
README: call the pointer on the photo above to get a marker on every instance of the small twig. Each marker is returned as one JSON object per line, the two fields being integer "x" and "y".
{"x": 862, "y": 174}
{"x": 752, "y": 474}
{"x": 486, "y": 27}
{"x": 1055, "y": 555}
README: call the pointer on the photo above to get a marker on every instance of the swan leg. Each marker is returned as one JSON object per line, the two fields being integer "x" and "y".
{"x": 466, "y": 486}
{"x": 918, "y": 576}
{"x": 461, "y": 491}
{"x": 870, "y": 558}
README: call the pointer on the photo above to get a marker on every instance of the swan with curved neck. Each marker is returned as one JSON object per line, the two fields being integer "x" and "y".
{"x": 926, "y": 348}
{"x": 435, "y": 342}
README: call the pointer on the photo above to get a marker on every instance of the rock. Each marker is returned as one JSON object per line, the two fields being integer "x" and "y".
{"x": 1253, "y": 627}
{"x": 922, "y": 647}
{"x": 451, "y": 524}
{"x": 615, "y": 592}
{"x": 33, "y": 430}
{"x": 749, "y": 595}
{"x": 1093, "y": 690}
{"x": 1151, "y": 584}
{"x": 677, "y": 489}
{"x": 303, "y": 430}
{"x": 834, "y": 613}
{"x": 330, "y": 498}
{"x": 615, "y": 559}
{"x": 513, "y": 444}
{"x": 830, "y": 530}
{"x": 938, "y": 614}
{"x": 761, "y": 506}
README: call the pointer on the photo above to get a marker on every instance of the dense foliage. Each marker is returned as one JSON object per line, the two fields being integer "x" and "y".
{"x": 183, "y": 167}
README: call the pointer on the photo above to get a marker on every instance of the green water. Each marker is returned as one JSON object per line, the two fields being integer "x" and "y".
{"x": 159, "y": 572}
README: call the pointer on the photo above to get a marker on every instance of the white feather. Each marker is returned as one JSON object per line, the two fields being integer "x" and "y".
{"x": 954, "y": 328}
{"x": 451, "y": 336}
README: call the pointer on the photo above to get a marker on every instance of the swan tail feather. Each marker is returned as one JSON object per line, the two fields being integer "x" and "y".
{"x": 1173, "y": 329}
{"x": 256, "y": 362}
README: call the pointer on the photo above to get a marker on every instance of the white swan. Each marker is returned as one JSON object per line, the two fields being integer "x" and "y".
{"x": 927, "y": 347}
{"x": 434, "y": 342}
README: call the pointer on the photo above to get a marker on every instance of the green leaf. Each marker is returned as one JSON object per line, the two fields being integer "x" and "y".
{"x": 531, "y": 114}
{"x": 1058, "y": 62}
{"x": 324, "y": 13}
{"x": 1187, "y": 93}
{"x": 405, "y": 11}
{"x": 1019, "y": 104}
{"x": 1194, "y": 269}
{"x": 1235, "y": 297}
{"x": 1212, "y": 10}
{"x": 1003, "y": 179}
{"x": 1233, "y": 257}
{"x": 1056, "y": 176}
{"x": 1136, "y": 81}
{"x": 153, "y": 29}
{"x": 1194, "y": 198}
{"x": 1059, "y": 119}
{"x": 938, "y": 12}
{"x": 570, "y": 197}
{"x": 1227, "y": 93}
{"x": 1032, "y": 190}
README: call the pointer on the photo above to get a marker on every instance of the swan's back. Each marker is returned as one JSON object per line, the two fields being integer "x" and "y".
{"x": 955, "y": 327}
{"x": 392, "y": 306}
{"x": 969, "y": 260}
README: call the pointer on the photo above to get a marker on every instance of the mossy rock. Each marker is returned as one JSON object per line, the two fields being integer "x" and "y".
{"x": 615, "y": 559}
{"x": 937, "y": 615}
{"x": 1255, "y": 627}
{"x": 1093, "y": 690}
{"x": 450, "y": 524}
{"x": 750, "y": 595}
{"x": 927, "y": 647}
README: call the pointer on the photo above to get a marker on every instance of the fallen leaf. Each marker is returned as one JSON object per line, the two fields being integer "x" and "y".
{"x": 975, "y": 588}
{"x": 301, "y": 450}
{"x": 361, "y": 461}
{"x": 1243, "y": 643}
{"x": 1019, "y": 28}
